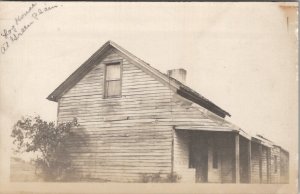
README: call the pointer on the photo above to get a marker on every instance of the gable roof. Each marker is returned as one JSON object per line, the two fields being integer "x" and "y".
{"x": 174, "y": 84}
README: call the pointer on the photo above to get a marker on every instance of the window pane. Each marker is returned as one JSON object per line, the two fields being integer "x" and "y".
{"x": 113, "y": 88}
{"x": 113, "y": 72}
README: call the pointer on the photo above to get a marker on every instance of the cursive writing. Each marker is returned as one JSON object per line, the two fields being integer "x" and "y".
{"x": 19, "y": 18}
{"x": 39, "y": 12}
{"x": 15, "y": 36}
{"x": 22, "y": 23}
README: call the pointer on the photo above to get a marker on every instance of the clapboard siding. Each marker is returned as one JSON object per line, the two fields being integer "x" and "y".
{"x": 120, "y": 138}
{"x": 284, "y": 166}
{"x": 264, "y": 165}
{"x": 275, "y": 173}
{"x": 124, "y": 138}
{"x": 136, "y": 126}
{"x": 181, "y": 157}
{"x": 255, "y": 160}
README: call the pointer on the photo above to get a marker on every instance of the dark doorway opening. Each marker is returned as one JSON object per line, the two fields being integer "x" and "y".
{"x": 199, "y": 157}
{"x": 244, "y": 160}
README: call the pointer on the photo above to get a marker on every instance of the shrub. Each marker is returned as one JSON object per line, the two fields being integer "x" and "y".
{"x": 173, "y": 177}
{"x": 158, "y": 178}
{"x": 48, "y": 141}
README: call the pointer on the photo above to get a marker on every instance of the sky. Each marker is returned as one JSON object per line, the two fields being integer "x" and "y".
{"x": 241, "y": 56}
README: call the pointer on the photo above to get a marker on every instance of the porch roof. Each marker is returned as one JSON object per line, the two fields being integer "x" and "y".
{"x": 262, "y": 140}
{"x": 212, "y": 129}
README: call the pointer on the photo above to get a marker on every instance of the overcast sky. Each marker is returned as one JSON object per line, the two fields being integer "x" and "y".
{"x": 242, "y": 56}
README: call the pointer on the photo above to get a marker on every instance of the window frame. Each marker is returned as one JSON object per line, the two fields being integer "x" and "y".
{"x": 107, "y": 63}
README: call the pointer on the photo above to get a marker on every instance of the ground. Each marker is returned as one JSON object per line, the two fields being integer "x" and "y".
{"x": 22, "y": 171}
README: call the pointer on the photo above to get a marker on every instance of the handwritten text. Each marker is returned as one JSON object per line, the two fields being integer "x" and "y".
{"x": 22, "y": 23}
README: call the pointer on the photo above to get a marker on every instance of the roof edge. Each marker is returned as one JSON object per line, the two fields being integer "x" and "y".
{"x": 53, "y": 96}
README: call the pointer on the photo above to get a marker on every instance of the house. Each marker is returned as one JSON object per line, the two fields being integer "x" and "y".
{"x": 137, "y": 121}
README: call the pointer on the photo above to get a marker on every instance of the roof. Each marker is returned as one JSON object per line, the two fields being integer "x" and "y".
{"x": 214, "y": 128}
{"x": 261, "y": 140}
{"x": 176, "y": 85}
{"x": 268, "y": 142}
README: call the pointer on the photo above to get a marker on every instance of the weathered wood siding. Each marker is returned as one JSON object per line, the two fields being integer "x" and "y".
{"x": 121, "y": 138}
{"x": 284, "y": 166}
{"x": 186, "y": 113}
{"x": 275, "y": 173}
{"x": 255, "y": 168}
{"x": 181, "y": 157}
{"x": 264, "y": 165}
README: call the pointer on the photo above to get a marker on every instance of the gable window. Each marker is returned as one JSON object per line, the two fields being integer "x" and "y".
{"x": 112, "y": 82}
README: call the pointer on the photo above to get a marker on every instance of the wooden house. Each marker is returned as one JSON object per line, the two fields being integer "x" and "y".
{"x": 137, "y": 121}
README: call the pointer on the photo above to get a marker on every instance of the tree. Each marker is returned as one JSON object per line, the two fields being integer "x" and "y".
{"x": 49, "y": 141}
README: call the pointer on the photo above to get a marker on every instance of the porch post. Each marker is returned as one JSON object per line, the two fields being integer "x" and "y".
{"x": 249, "y": 161}
{"x": 237, "y": 158}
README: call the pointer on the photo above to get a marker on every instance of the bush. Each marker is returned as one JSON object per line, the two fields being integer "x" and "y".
{"x": 48, "y": 141}
{"x": 173, "y": 177}
{"x": 158, "y": 178}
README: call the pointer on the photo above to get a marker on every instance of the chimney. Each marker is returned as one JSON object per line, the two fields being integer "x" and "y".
{"x": 179, "y": 74}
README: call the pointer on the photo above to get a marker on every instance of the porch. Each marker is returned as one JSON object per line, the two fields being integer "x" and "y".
{"x": 219, "y": 156}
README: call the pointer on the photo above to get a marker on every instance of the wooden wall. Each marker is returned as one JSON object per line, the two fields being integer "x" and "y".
{"x": 275, "y": 175}
{"x": 264, "y": 165}
{"x": 255, "y": 168}
{"x": 181, "y": 156}
{"x": 224, "y": 145}
{"x": 284, "y": 166}
{"x": 121, "y": 138}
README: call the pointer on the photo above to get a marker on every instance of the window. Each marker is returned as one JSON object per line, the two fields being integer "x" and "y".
{"x": 215, "y": 157}
{"x": 112, "y": 80}
{"x": 275, "y": 163}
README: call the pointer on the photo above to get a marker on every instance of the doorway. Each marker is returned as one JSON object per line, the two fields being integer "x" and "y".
{"x": 199, "y": 158}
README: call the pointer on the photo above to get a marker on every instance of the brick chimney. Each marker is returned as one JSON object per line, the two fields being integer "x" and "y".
{"x": 179, "y": 74}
